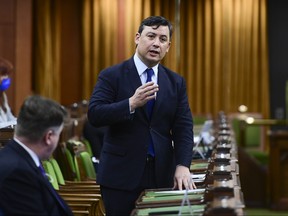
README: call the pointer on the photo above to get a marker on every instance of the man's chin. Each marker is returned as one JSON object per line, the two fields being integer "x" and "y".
{"x": 153, "y": 60}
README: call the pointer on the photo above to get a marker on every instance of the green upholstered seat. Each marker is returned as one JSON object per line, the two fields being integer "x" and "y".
{"x": 253, "y": 140}
{"x": 73, "y": 164}
{"x": 260, "y": 156}
{"x": 88, "y": 164}
{"x": 88, "y": 147}
{"x": 253, "y": 136}
{"x": 58, "y": 171}
{"x": 51, "y": 174}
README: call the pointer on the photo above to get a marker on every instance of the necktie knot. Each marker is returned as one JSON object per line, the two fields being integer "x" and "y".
{"x": 150, "y": 73}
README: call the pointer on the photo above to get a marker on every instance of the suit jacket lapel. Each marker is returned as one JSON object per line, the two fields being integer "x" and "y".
{"x": 135, "y": 82}
{"x": 133, "y": 75}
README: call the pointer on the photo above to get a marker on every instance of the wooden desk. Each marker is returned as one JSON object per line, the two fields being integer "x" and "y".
{"x": 278, "y": 170}
{"x": 5, "y": 135}
{"x": 219, "y": 193}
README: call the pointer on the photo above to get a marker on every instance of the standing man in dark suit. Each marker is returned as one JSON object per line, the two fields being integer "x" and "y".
{"x": 142, "y": 150}
{"x": 24, "y": 189}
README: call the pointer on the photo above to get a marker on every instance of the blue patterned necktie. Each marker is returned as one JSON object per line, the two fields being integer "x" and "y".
{"x": 150, "y": 105}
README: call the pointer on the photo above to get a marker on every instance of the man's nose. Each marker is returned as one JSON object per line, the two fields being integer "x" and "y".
{"x": 156, "y": 42}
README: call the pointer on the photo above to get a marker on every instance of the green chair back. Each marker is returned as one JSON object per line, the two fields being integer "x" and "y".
{"x": 77, "y": 169}
{"x": 51, "y": 174}
{"x": 88, "y": 147}
{"x": 252, "y": 134}
{"x": 73, "y": 164}
{"x": 88, "y": 164}
{"x": 58, "y": 171}
{"x": 199, "y": 119}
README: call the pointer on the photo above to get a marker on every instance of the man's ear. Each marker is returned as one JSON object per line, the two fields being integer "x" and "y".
{"x": 48, "y": 137}
{"x": 137, "y": 36}
{"x": 168, "y": 47}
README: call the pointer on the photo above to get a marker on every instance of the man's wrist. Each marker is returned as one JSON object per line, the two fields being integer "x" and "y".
{"x": 131, "y": 109}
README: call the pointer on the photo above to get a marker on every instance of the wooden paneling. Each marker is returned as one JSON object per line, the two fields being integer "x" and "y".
{"x": 23, "y": 48}
{"x": 71, "y": 62}
{"x": 7, "y": 11}
{"x": 15, "y": 46}
{"x": 7, "y": 44}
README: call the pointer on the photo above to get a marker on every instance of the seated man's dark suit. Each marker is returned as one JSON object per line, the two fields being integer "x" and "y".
{"x": 23, "y": 189}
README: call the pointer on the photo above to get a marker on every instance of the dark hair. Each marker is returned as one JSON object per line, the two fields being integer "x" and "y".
{"x": 37, "y": 115}
{"x": 156, "y": 21}
{"x": 5, "y": 67}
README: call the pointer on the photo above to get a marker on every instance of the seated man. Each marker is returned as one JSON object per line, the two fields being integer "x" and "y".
{"x": 24, "y": 186}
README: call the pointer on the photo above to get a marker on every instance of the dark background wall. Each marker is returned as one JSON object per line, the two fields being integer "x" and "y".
{"x": 278, "y": 55}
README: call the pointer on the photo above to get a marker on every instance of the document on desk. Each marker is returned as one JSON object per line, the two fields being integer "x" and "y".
{"x": 198, "y": 176}
{"x": 200, "y": 190}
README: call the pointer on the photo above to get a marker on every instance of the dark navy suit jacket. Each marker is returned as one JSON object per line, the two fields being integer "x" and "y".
{"x": 23, "y": 189}
{"x": 124, "y": 150}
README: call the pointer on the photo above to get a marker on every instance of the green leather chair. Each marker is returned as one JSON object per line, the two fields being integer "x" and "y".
{"x": 57, "y": 171}
{"x": 51, "y": 174}
{"x": 88, "y": 166}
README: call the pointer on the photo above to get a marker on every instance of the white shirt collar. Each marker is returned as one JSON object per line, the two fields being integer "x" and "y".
{"x": 141, "y": 67}
{"x": 30, "y": 152}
